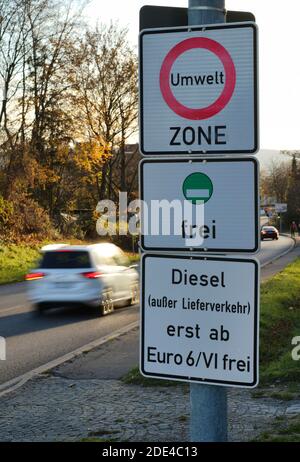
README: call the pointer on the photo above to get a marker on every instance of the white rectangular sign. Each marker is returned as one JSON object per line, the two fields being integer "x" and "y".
{"x": 200, "y": 319}
{"x": 200, "y": 204}
{"x": 281, "y": 208}
{"x": 198, "y": 90}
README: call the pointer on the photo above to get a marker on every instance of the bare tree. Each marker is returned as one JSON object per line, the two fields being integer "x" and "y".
{"x": 275, "y": 182}
{"x": 33, "y": 34}
{"x": 105, "y": 75}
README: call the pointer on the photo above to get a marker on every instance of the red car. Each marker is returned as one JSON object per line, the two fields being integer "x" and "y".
{"x": 269, "y": 232}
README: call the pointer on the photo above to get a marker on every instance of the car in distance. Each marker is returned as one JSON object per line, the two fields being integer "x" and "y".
{"x": 98, "y": 275}
{"x": 269, "y": 232}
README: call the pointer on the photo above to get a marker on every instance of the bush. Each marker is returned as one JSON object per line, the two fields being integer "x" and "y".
{"x": 6, "y": 213}
{"x": 22, "y": 218}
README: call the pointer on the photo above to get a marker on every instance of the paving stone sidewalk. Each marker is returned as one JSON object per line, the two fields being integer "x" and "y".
{"x": 52, "y": 407}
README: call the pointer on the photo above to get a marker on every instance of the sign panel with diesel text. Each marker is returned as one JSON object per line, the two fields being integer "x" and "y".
{"x": 199, "y": 319}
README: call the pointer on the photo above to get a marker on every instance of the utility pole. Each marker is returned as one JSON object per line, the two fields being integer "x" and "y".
{"x": 208, "y": 402}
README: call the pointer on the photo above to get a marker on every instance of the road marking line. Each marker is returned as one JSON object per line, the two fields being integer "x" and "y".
{"x": 17, "y": 382}
{"x": 12, "y": 308}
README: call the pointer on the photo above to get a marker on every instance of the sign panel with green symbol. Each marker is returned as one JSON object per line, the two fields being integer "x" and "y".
{"x": 198, "y": 188}
{"x": 172, "y": 192}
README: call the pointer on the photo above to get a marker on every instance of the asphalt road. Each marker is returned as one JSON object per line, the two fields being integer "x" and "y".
{"x": 34, "y": 340}
{"x": 270, "y": 249}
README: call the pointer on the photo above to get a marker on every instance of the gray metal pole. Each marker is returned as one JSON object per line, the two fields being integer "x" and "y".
{"x": 206, "y": 12}
{"x": 208, "y": 402}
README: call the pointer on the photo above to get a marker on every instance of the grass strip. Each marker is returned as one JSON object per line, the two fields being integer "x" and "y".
{"x": 18, "y": 260}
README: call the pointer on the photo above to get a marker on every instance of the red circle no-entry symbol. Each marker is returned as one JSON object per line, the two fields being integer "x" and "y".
{"x": 230, "y": 76}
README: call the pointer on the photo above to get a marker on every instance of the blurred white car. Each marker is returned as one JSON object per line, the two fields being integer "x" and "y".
{"x": 98, "y": 275}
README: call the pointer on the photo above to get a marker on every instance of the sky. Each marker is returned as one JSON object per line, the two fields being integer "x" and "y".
{"x": 279, "y": 58}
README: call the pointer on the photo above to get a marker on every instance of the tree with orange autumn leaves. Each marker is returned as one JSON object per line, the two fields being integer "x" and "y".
{"x": 69, "y": 107}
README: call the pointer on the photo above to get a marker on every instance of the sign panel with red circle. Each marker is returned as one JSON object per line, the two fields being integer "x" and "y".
{"x": 198, "y": 90}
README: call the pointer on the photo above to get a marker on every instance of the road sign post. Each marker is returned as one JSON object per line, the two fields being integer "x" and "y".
{"x": 153, "y": 17}
{"x": 206, "y": 12}
{"x": 208, "y": 402}
{"x": 198, "y": 96}
{"x": 280, "y": 209}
